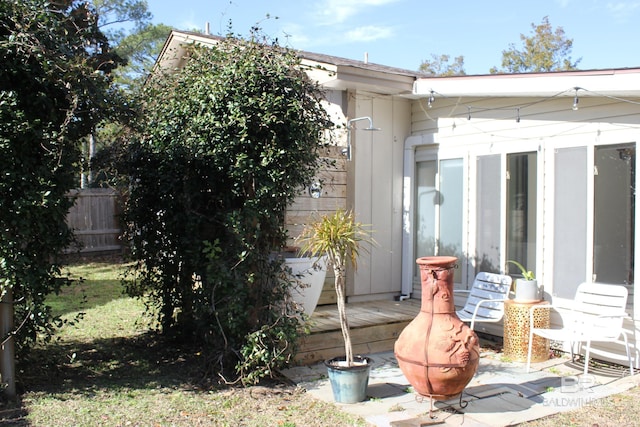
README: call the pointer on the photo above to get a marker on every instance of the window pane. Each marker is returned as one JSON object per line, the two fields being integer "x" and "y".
{"x": 450, "y": 201}
{"x": 488, "y": 214}
{"x": 426, "y": 202}
{"x": 521, "y": 210}
{"x": 614, "y": 225}
{"x": 570, "y": 221}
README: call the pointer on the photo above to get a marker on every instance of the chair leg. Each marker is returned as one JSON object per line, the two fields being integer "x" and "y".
{"x": 573, "y": 357}
{"x": 626, "y": 346}
{"x": 530, "y": 349}
{"x": 586, "y": 358}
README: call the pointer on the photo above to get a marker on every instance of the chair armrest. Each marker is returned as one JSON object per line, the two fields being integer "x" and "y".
{"x": 547, "y": 307}
{"x": 475, "y": 310}
{"x": 462, "y": 291}
{"x": 624, "y": 315}
{"x": 482, "y": 301}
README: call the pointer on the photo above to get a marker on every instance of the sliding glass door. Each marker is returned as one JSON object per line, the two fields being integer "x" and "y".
{"x": 439, "y": 209}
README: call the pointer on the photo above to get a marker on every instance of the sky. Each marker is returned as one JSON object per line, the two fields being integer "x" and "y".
{"x": 403, "y": 33}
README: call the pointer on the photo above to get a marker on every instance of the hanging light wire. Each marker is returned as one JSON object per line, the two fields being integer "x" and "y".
{"x": 574, "y": 89}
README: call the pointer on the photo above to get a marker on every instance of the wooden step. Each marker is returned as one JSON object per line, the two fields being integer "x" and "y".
{"x": 374, "y": 327}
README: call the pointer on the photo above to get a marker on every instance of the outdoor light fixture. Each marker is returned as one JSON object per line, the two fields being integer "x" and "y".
{"x": 315, "y": 190}
{"x": 575, "y": 100}
{"x": 431, "y": 100}
{"x": 347, "y": 151}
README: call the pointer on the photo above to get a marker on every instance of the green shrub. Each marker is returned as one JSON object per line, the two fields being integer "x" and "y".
{"x": 225, "y": 146}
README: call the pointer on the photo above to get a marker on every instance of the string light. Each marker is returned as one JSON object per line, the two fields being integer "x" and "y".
{"x": 431, "y": 99}
{"x": 517, "y": 109}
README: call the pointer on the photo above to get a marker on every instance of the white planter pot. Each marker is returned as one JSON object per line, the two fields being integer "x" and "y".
{"x": 310, "y": 273}
{"x": 528, "y": 291}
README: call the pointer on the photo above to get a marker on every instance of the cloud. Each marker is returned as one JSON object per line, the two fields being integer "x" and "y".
{"x": 369, "y": 33}
{"x": 338, "y": 11}
{"x": 622, "y": 9}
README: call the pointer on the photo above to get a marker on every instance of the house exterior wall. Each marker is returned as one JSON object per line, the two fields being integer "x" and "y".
{"x": 375, "y": 192}
{"x": 333, "y": 178}
{"x": 370, "y": 184}
{"x": 547, "y": 127}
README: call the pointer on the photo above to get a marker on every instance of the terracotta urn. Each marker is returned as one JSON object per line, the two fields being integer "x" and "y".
{"x": 437, "y": 352}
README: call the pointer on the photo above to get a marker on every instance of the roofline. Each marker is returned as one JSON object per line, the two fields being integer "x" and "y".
{"x": 346, "y": 73}
{"x": 604, "y": 82}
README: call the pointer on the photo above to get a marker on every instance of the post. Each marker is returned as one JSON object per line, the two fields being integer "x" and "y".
{"x": 7, "y": 347}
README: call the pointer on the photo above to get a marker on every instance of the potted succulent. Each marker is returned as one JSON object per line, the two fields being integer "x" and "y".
{"x": 340, "y": 237}
{"x": 526, "y": 287}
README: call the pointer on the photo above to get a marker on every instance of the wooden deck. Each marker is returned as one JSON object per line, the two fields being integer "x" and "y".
{"x": 374, "y": 325}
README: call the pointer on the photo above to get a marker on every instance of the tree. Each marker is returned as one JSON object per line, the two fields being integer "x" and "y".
{"x": 113, "y": 14}
{"x": 225, "y": 146}
{"x": 340, "y": 237}
{"x": 54, "y": 88}
{"x": 140, "y": 48}
{"x": 440, "y": 66}
{"x": 545, "y": 50}
{"x": 127, "y": 25}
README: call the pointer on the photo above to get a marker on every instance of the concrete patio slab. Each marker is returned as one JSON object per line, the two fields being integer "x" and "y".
{"x": 501, "y": 393}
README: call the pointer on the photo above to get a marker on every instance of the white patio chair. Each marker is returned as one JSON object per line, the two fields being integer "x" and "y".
{"x": 596, "y": 315}
{"x": 485, "y": 300}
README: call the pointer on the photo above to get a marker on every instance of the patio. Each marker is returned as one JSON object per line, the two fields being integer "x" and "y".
{"x": 500, "y": 394}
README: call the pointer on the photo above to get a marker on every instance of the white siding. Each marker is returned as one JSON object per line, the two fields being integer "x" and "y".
{"x": 545, "y": 125}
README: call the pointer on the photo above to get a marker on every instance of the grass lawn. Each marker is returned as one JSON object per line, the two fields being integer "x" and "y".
{"x": 111, "y": 369}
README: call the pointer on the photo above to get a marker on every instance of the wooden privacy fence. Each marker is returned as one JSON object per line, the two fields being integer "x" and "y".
{"x": 95, "y": 220}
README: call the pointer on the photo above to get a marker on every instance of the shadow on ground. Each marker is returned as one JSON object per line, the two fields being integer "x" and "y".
{"x": 137, "y": 362}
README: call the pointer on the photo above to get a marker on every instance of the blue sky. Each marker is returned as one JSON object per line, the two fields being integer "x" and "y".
{"x": 402, "y": 33}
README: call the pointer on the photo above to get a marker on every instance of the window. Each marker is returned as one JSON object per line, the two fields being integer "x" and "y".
{"x": 521, "y": 210}
{"x": 608, "y": 256}
{"x": 614, "y": 213}
{"x": 488, "y": 214}
{"x": 439, "y": 209}
{"x": 570, "y": 220}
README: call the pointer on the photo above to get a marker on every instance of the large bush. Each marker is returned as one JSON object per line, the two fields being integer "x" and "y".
{"x": 225, "y": 145}
{"x": 54, "y": 89}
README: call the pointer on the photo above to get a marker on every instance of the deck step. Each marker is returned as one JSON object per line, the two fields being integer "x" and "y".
{"x": 374, "y": 326}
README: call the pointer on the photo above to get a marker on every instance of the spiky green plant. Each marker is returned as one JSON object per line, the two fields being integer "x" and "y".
{"x": 526, "y": 274}
{"x": 341, "y": 238}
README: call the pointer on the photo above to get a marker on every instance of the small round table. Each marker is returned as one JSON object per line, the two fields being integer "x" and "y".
{"x": 516, "y": 331}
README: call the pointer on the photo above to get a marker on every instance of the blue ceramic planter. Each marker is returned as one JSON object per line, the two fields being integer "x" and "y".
{"x": 349, "y": 384}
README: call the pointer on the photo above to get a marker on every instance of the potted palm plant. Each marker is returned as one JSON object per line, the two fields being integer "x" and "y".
{"x": 527, "y": 286}
{"x": 340, "y": 238}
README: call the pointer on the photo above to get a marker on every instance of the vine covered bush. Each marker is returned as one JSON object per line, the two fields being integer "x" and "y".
{"x": 55, "y": 87}
{"x": 224, "y": 146}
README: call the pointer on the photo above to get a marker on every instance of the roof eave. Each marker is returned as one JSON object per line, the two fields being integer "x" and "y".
{"x": 330, "y": 74}
{"x": 610, "y": 82}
